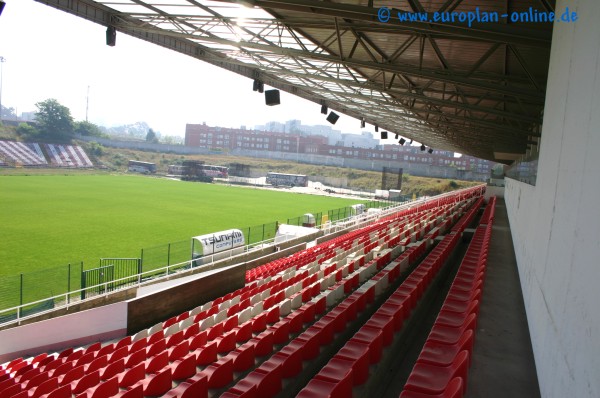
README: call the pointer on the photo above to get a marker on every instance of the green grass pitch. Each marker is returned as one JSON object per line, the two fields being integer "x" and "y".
{"x": 49, "y": 221}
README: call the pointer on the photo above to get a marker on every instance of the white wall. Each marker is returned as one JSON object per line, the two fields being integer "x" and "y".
{"x": 81, "y": 328}
{"x": 556, "y": 224}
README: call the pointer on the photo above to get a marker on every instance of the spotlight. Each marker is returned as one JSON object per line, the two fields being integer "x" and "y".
{"x": 362, "y": 122}
{"x": 111, "y": 36}
{"x": 396, "y": 136}
{"x": 410, "y": 143}
{"x": 430, "y": 150}
{"x": 324, "y": 109}
{"x": 422, "y": 147}
{"x": 255, "y": 84}
{"x": 1, "y": 6}
{"x": 261, "y": 87}
{"x": 376, "y": 128}
{"x": 384, "y": 135}
{"x": 333, "y": 117}
{"x": 272, "y": 97}
{"x": 402, "y": 141}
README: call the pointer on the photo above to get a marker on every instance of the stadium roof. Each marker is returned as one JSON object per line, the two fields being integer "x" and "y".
{"x": 477, "y": 90}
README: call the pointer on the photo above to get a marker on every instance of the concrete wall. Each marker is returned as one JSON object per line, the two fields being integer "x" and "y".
{"x": 85, "y": 327}
{"x": 556, "y": 224}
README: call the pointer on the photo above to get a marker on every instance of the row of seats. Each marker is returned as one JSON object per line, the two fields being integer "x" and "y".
{"x": 350, "y": 366}
{"x": 188, "y": 341}
{"x": 256, "y": 385}
{"x": 442, "y": 366}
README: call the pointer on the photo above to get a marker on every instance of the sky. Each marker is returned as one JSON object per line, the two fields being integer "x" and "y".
{"x": 52, "y": 54}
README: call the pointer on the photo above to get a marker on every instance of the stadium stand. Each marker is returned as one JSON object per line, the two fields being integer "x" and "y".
{"x": 316, "y": 323}
{"x": 21, "y": 154}
{"x": 68, "y": 156}
{"x": 31, "y": 154}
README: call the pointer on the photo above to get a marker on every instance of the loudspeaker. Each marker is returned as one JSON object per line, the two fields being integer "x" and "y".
{"x": 362, "y": 122}
{"x": 422, "y": 147}
{"x": 272, "y": 97}
{"x": 384, "y": 135}
{"x": 261, "y": 87}
{"x": 332, "y": 117}
{"x": 324, "y": 109}
{"x": 430, "y": 150}
{"x": 111, "y": 36}
{"x": 376, "y": 128}
{"x": 402, "y": 141}
{"x": 255, "y": 84}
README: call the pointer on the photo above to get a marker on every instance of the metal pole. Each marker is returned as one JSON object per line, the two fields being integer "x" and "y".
{"x": 87, "y": 103}
{"x": 169, "y": 255}
{"x": 2, "y": 61}
{"x": 69, "y": 283}
{"x": 20, "y": 298}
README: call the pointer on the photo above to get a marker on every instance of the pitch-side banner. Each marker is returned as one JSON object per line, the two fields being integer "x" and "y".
{"x": 221, "y": 241}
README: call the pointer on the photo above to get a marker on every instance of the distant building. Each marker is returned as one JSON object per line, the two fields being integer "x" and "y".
{"x": 28, "y": 116}
{"x": 201, "y": 135}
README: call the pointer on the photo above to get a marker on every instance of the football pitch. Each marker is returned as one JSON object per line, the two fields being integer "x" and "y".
{"x": 49, "y": 221}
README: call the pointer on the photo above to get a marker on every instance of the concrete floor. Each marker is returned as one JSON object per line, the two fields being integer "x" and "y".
{"x": 502, "y": 363}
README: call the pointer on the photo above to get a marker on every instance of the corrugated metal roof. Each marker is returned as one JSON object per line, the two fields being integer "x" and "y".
{"x": 473, "y": 87}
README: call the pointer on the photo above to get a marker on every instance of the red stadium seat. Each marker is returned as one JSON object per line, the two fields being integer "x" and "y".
{"x": 226, "y": 342}
{"x": 243, "y": 332}
{"x": 136, "y": 357}
{"x": 433, "y": 379}
{"x": 178, "y": 351}
{"x": 60, "y": 392}
{"x": 108, "y": 388}
{"x": 358, "y": 353}
{"x": 184, "y": 368}
{"x": 112, "y": 369}
{"x": 220, "y": 373}
{"x": 263, "y": 343}
{"x": 158, "y": 384}
{"x": 197, "y": 387}
{"x": 198, "y": 340}
{"x": 131, "y": 376}
{"x": 441, "y": 354}
{"x": 96, "y": 364}
{"x": 87, "y": 381}
{"x": 156, "y": 363}
{"x": 454, "y": 389}
{"x": 207, "y": 354}
{"x": 72, "y": 375}
{"x": 134, "y": 392}
{"x": 243, "y": 357}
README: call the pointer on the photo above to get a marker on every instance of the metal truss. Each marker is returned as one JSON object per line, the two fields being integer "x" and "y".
{"x": 475, "y": 90}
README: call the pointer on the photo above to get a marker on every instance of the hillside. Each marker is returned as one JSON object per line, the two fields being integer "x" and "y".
{"x": 115, "y": 159}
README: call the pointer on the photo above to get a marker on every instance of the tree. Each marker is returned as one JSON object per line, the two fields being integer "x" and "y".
{"x": 53, "y": 119}
{"x": 87, "y": 128}
{"x": 151, "y": 136}
{"x": 7, "y": 113}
